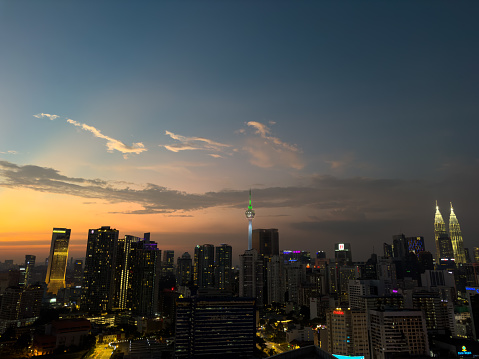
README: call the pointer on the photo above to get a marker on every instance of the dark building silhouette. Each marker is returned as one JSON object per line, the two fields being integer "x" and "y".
{"x": 204, "y": 265}
{"x": 223, "y": 265}
{"x": 266, "y": 241}
{"x": 98, "y": 290}
{"x": 213, "y": 326}
{"x": 184, "y": 270}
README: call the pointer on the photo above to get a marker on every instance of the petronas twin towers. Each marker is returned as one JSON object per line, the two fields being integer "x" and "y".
{"x": 449, "y": 246}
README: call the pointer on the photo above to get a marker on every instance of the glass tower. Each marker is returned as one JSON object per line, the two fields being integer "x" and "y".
{"x": 456, "y": 238}
{"x": 57, "y": 260}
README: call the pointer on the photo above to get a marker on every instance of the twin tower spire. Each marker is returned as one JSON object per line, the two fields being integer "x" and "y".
{"x": 448, "y": 245}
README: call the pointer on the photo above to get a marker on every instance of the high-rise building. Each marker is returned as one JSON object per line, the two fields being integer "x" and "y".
{"x": 456, "y": 238}
{"x": 215, "y": 327}
{"x": 29, "y": 267}
{"x": 266, "y": 242}
{"x": 347, "y": 332}
{"x": 145, "y": 269}
{"x": 251, "y": 275}
{"x": 397, "y": 332}
{"x": 78, "y": 272}
{"x": 250, "y": 216}
{"x": 57, "y": 260}
{"x": 184, "y": 270}
{"x": 204, "y": 265}
{"x": 342, "y": 253}
{"x": 223, "y": 267}
{"x": 168, "y": 263}
{"x": 444, "y": 251}
{"x": 98, "y": 289}
{"x": 476, "y": 254}
{"x": 122, "y": 274}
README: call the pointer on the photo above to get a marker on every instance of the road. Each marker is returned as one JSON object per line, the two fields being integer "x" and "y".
{"x": 101, "y": 353}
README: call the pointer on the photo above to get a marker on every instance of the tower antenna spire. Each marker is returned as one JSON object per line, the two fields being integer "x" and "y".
{"x": 250, "y": 215}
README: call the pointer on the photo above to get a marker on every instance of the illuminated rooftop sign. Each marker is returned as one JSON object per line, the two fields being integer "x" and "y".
{"x": 339, "y": 312}
{"x": 58, "y": 231}
{"x": 472, "y": 289}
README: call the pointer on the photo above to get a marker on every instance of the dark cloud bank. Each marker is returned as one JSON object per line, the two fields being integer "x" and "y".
{"x": 363, "y": 211}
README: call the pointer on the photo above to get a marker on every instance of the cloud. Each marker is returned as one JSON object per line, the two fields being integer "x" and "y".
{"x": 47, "y": 115}
{"x": 11, "y": 152}
{"x": 112, "y": 144}
{"x": 269, "y": 151}
{"x": 194, "y": 143}
{"x": 335, "y": 198}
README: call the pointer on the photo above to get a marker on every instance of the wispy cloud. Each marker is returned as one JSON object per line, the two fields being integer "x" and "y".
{"x": 112, "y": 144}
{"x": 268, "y": 151}
{"x": 11, "y": 152}
{"x": 47, "y": 115}
{"x": 194, "y": 143}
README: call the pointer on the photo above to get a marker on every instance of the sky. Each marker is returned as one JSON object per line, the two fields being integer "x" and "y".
{"x": 347, "y": 120}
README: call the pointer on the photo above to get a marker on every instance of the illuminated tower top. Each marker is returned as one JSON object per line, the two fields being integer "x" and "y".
{"x": 456, "y": 238}
{"x": 250, "y": 212}
{"x": 439, "y": 224}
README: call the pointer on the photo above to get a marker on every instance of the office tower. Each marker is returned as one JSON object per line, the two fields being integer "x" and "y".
{"x": 438, "y": 314}
{"x": 456, "y": 238}
{"x": 266, "y": 242}
{"x": 57, "y": 260}
{"x": 415, "y": 245}
{"x": 388, "y": 250}
{"x": 274, "y": 280}
{"x": 223, "y": 264}
{"x": 78, "y": 272}
{"x": 184, "y": 270}
{"x": 250, "y": 216}
{"x": 122, "y": 274}
{"x": 302, "y": 257}
{"x": 342, "y": 253}
{"x": 320, "y": 255}
{"x": 444, "y": 251}
{"x": 293, "y": 275}
{"x": 98, "y": 290}
{"x": 347, "y": 332}
{"x": 29, "y": 267}
{"x": 468, "y": 255}
{"x": 251, "y": 276}
{"x": 397, "y": 332}
{"x": 426, "y": 260}
{"x": 215, "y": 327}
{"x": 168, "y": 263}
{"x": 476, "y": 254}
{"x": 399, "y": 246}
{"x": 145, "y": 269}
{"x": 204, "y": 265}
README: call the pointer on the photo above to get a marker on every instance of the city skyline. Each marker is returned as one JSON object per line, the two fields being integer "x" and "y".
{"x": 346, "y": 121}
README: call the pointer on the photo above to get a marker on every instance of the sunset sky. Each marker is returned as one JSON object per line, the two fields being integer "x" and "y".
{"x": 346, "y": 119}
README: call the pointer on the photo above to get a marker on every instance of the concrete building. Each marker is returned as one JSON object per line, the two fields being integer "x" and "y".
{"x": 397, "y": 332}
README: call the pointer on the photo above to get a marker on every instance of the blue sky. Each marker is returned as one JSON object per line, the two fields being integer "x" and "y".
{"x": 348, "y": 119}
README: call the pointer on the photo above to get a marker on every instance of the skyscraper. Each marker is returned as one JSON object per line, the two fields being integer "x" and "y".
{"x": 342, "y": 253}
{"x": 145, "y": 268}
{"x": 204, "y": 265}
{"x": 266, "y": 242}
{"x": 98, "y": 281}
{"x": 456, "y": 238}
{"x": 223, "y": 264}
{"x": 57, "y": 260}
{"x": 29, "y": 265}
{"x": 250, "y": 215}
{"x": 444, "y": 250}
{"x": 184, "y": 270}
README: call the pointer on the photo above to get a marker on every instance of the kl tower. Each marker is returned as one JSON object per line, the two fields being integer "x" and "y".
{"x": 250, "y": 215}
